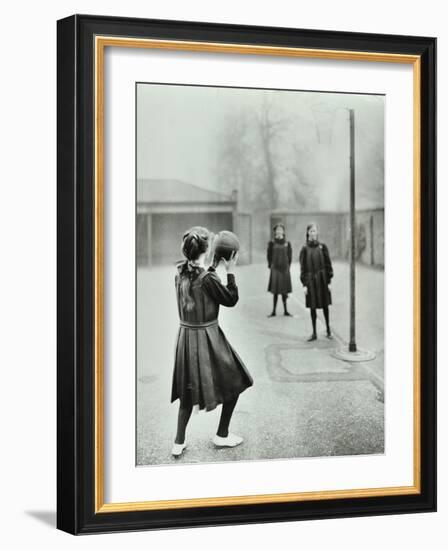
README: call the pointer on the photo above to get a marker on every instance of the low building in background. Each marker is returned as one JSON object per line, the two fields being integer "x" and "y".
{"x": 167, "y": 208}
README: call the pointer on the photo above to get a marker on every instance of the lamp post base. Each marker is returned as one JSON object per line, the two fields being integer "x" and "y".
{"x": 357, "y": 356}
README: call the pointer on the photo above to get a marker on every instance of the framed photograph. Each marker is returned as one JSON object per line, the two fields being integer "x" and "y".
{"x": 246, "y": 274}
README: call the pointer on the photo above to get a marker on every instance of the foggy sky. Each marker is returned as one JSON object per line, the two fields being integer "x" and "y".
{"x": 177, "y": 129}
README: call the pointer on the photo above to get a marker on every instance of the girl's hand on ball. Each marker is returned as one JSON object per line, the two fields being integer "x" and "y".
{"x": 231, "y": 262}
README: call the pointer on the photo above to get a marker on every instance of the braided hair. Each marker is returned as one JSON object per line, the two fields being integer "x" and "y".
{"x": 195, "y": 242}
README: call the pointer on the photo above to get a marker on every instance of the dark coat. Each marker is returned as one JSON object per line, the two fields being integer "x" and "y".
{"x": 207, "y": 370}
{"x": 316, "y": 273}
{"x": 279, "y": 257}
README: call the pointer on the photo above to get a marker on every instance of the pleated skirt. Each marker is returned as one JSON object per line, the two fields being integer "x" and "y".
{"x": 279, "y": 282}
{"x": 318, "y": 295}
{"x": 207, "y": 370}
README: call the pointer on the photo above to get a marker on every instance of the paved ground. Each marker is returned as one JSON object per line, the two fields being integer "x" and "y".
{"x": 303, "y": 403}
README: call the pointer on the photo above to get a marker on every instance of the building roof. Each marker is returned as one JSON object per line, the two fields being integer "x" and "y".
{"x": 177, "y": 191}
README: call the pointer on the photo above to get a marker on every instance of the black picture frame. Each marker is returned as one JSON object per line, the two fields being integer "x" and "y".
{"x": 76, "y": 509}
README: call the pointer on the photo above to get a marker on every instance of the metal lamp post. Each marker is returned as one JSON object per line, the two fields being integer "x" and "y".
{"x": 352, "y": 344}
{"x": 353, "y": 353}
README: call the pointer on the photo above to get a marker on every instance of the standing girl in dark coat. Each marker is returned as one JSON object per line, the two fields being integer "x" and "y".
{"x": 279, "y": 256}
{"x": 207, "y": 370}
{"x": 316, "y": 273}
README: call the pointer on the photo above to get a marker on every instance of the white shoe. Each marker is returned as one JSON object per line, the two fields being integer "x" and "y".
{"x": 178, "y": 449}
{"x": 231, "y": 440}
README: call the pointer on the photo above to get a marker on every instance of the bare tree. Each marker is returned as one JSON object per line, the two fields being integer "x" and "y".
{"x": 270, "y": 127}
{"x": 300, "y": 180}
{"x": 265, "y": 156}
{"x": 234, "y": 158}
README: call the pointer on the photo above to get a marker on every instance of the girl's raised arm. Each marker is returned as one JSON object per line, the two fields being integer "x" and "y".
{"x": 223, "y": 295}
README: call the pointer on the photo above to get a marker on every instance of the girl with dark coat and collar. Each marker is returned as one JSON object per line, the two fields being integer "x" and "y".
{"x": 316, "y": 273}
{"x": 207, "y": 370}
{"x": 279, "y": 256}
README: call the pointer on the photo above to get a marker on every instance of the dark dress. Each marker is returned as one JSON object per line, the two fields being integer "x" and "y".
{"x": 279, "y": 258}
{"x": 316, "y": 273}
{"x": 207, "y": 370}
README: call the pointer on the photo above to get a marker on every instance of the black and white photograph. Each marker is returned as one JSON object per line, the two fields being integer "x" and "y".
{"x": 259, "y": 270}
{"x": 222, "y": 240}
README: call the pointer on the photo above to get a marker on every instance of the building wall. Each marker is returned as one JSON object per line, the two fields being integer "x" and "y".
{"x": 243, "y": 228}
{"x": 334, "y": 231}
{"x": 330, "y": 227}
{"x": 261, "y": 234}
{"x": 159, "y": 235}
{"x": 370, "y": 236}
{"x": 142, "y": 239}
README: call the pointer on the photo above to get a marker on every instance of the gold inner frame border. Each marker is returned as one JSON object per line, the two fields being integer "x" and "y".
{"x": 100, "y": 43}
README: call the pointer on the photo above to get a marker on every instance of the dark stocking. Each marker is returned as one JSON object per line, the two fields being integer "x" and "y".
{"x": 327, "y": 319}
{"x": 274, "y": 307}
{"x": 284, "y": 298}
{"x": 313, "y": 320}
{"x": 182, "y": 421}
{"x": 226, "y": 415}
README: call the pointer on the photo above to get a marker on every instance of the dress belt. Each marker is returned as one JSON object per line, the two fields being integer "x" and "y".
{"x": 199, "y": 325}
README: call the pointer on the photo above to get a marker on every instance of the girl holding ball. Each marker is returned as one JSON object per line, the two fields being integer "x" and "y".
{"x": 207, "y": 370}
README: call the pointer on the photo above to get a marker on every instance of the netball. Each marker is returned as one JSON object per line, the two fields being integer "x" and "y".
{"x": 226, "y": 244}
